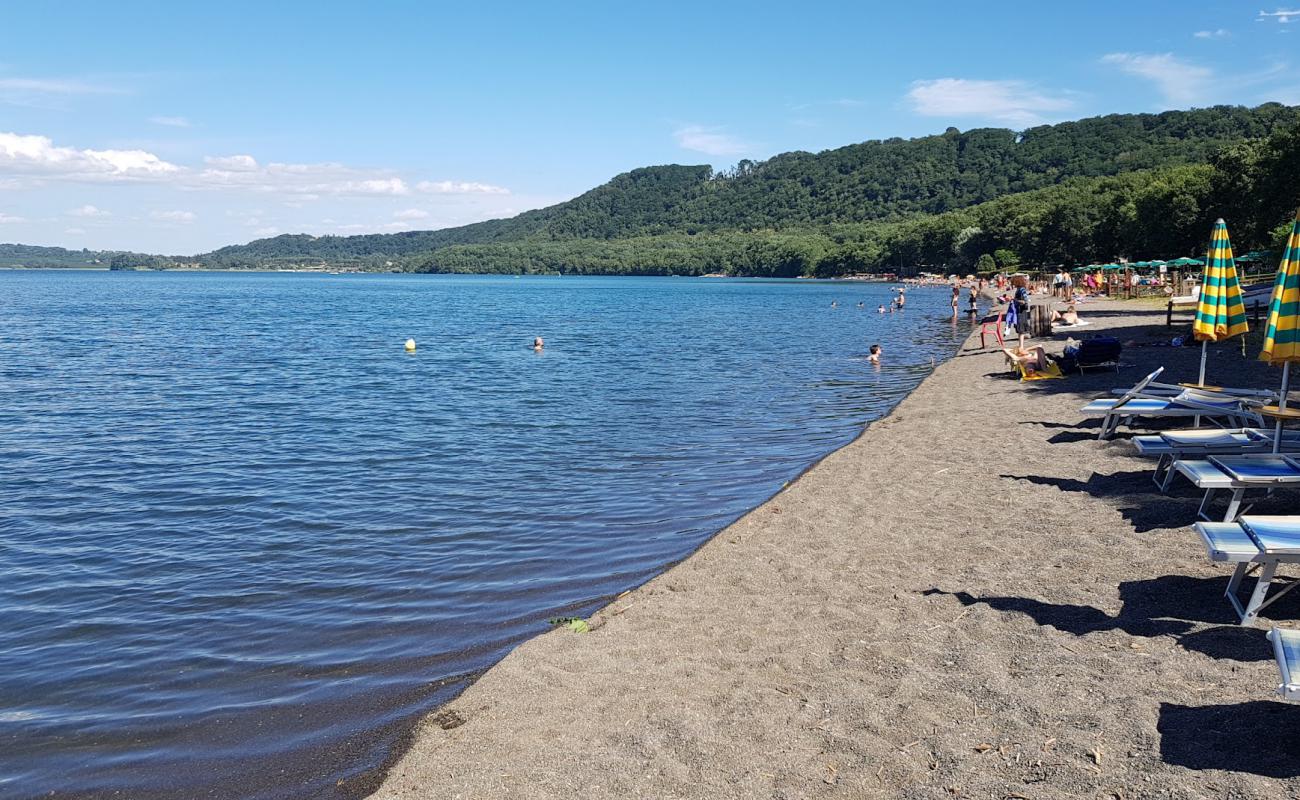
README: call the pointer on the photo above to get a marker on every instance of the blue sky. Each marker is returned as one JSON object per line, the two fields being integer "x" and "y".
{"x": 176, "y": 127}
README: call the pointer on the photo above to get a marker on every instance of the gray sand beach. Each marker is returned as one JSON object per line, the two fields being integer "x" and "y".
{"x": 975, "y": 598}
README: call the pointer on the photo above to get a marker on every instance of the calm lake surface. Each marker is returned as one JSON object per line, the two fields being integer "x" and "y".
{"x": 246, "y": 540}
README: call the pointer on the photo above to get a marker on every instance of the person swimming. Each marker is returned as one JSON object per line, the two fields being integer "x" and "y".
{"x": 538, "y": 344}
{"x": 861, "y": 304}
{"x": 882, "y": 308}
{"x": 874, "y": 356}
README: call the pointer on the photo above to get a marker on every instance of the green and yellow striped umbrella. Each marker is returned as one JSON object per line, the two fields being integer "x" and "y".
{"x": 1220, "y": 312}
{"x": 1282, "y": 334}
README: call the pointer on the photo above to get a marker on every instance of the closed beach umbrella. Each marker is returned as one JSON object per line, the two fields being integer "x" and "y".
{"x": 1220, "y": 313}
{"x": 1282, "y": 332}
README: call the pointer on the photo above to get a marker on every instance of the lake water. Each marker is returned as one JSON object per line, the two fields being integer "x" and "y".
{"x": 246, "y": 540}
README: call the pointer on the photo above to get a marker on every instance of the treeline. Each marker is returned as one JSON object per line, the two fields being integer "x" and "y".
{"x": 1138, "y": 215}
{"x": 875, "y": 181}
{"x": 36, "y": 257}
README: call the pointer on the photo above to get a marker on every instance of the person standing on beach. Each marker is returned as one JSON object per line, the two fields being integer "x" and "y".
{"x": 1021, "y": 300}
{"x": 973, "y": 301}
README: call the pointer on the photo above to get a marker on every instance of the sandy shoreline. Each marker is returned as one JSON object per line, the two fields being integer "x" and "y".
{"x": 975, "y": 598}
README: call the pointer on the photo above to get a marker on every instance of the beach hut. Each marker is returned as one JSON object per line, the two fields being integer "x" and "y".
{"x": 1220, "y": 313}
{"x": 1282, "y": 331}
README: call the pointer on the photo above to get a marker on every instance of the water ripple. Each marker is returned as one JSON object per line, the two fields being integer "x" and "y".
{"x": 245, "y": 540}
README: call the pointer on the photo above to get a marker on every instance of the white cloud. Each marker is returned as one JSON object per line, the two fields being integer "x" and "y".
{"x": 710, "y": 141}
{"x": 74, "y": 231}
{"x": 411, "y": 213}
{"x": 1015, "y": 102}
{"x": 1282, "y": 15}
{"x": 48, "y": 92}
{"x": 38, "y": 155}
{"x": 9, "y": 219}
{"x": 306, "y": 181}
{"x": 37, "y": 158}
{"x": 232, "y": 163}
{"x": 1219, "y": 33}
{"x": 460, "y": 187}
{"x": 89, "y": 211}
{"x": 172, "y": 122}
{"x": 52, "y": 86}
{"x": 1180, "y": 82}
{"x": 185, "y": 217}
{"x": 269, "y": 230}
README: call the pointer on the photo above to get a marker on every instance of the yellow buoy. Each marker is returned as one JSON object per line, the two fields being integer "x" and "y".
{"x": 410, "y": 345}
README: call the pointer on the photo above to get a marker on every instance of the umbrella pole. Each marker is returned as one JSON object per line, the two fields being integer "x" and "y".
{"x": 1281, "y": 404}
{"x": 1196, "y": 421}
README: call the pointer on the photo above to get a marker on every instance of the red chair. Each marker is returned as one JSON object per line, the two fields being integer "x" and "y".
{"x": 994, "y": 327}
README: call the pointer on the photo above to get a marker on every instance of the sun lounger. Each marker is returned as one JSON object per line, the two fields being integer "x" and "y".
{"x": 1256, "y": 543}
{"x": 1229, "y": 412}
{"x": 1237, "y": 474}
{"x": 1188, "y": 299}
{"x": 1169, "y": 446}
{"x": 1154, "y": 389}
{"x": 1286, "y": 649}
{"x": 1021, "y": 367}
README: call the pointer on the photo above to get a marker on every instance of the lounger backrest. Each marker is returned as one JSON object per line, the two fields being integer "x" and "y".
{"x": 1138, "y": 387}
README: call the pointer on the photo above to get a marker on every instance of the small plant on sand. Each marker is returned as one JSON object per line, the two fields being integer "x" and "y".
{"x": 575, "y": 624}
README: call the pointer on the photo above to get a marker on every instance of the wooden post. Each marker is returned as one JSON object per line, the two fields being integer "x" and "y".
{"x": 1040, "y": 319}
{"x": 1169, "y": 314}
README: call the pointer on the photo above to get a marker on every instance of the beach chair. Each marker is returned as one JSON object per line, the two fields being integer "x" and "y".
{"x": 1227, "y": 412}
{"x": 1169, "y": 446}
{"x": 1255, "y": 545}
{"x": 1237, "y": 474}
{"x": 1156, "y": 388}
{"x": 1028, "y": 373}
{"x": 994, "y": 327}
{"x": 1187, "y": 405}
{"x": 1099, "y": 352}
{"x": 1188, "y": 299}
{"x": 1286, "y": 649}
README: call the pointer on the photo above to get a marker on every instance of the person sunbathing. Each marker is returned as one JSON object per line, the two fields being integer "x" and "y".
{"x": 1070, "y": 316}
{"x": 1033, "y": 358}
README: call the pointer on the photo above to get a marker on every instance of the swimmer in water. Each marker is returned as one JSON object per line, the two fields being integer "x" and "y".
{"x": 538, "y": 344}
{"x": 835, "y": 303}
{"x": 861, "y": 304}
{"x": 882, "y": 308}
{"x": 874, "y": 357}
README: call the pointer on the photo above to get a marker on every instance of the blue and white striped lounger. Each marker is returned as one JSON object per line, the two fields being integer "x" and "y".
{"x": 1237, "y": 474}
{"x": 1169, "y": 446}
{"x": 1286, "y": 649}
{"x": 1187, "y": 404}
{"x": 1233, "y": 543}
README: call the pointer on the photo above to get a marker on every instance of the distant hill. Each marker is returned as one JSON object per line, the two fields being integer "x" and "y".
{"x": 875, "y": 181}
{"x": 33, "y": 257}
{"x": 1138, "y": 185}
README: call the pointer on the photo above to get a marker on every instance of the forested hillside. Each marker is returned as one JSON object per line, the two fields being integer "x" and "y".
{"x": 1137, "y": 185}
{"x": 888, "y": 180}
{"x": 34, "y": 257}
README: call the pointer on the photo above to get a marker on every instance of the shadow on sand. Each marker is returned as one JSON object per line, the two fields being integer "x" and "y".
{"x": 1259, "y": 737}
{"x": 1171, "y": 605}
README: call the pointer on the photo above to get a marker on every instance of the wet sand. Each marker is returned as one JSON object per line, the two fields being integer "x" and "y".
{"x": 975, "y": 598}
